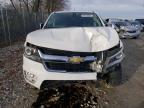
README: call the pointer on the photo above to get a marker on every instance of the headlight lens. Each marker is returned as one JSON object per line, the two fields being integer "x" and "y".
{"x": 114, "y": 50}
{"x": 32, "y": 53}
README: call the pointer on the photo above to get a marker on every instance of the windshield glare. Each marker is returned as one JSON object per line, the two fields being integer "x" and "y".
{"x": 135, "y": 23}
{"x": 61, "y": 20}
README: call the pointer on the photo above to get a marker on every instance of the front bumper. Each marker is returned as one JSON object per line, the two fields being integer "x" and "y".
{"x": 131, "y": 35}
{"x": 35, "y": 73}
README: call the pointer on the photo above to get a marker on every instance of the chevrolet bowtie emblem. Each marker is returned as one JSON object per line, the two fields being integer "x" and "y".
{"x": 76, "y": 59}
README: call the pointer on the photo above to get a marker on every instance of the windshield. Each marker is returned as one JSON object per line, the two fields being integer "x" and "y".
{"x": 140, "y": 21}
{"x": 61, "y": 20}
{"x": 121, "y": 23}
{"x": 135, "y": 23}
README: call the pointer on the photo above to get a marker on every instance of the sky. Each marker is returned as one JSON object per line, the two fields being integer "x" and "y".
{"x": 129, "y": 9}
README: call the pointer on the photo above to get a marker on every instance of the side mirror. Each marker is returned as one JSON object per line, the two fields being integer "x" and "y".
{"x": 107, "y": 20}
{"x": 41, "y": 25}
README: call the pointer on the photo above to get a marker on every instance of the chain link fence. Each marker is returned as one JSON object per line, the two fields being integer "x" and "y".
{"x": 15, "y": 26}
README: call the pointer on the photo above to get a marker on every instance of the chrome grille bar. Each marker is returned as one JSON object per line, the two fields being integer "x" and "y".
{"x": 63, "y": 58}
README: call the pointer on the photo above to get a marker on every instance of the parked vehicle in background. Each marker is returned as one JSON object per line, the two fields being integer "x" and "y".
{"x": 113, "y": 19}
{"x": 136, "y": 24}
{"x": 72, "y": 46}
{"x": 142, "y": 22}
{"x": 108, "y": 23}
{"x": 126, "y": 30}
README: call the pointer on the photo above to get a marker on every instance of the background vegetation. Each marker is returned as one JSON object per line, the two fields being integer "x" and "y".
{"x": 20, "y": 17}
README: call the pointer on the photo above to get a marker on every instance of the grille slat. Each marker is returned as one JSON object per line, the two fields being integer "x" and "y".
{"x": 66, "y": 53}
{"x": 69, "y": 67}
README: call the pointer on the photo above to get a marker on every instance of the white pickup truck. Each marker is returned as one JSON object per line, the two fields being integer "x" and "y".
{"x": 71, "y": 46}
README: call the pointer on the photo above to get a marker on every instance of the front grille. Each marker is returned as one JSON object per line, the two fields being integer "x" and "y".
{"x": 66, "y": 66}
{"x": 69, "y": 67}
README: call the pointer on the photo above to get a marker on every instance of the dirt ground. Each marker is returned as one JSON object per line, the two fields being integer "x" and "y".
{"x": 16, "y": 93}
{"x": 131, "y": 93}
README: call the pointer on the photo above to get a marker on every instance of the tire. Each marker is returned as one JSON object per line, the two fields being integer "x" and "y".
{"x": 114, "y": 77}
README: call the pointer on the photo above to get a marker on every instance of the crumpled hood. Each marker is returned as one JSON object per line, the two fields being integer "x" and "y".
{"x": 80, "y": 39}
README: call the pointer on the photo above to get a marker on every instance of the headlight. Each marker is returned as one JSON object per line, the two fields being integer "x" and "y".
{"x": 114, "y": 50}
{"x": 32, "y": 53}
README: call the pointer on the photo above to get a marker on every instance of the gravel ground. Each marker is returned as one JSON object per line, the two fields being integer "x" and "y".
{"x": 16, "y": 93}
{"x": 72, "y": 95}
{"x": 131, "y": 93}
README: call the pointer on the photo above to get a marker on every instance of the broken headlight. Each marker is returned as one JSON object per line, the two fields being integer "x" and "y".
{"x": 31, "y": 52}
{"x": 98, "y": 65}
{"x": 114, "y": 50}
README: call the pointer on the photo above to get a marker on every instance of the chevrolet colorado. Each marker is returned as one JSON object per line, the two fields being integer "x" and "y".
{"x": 71, "y": 46}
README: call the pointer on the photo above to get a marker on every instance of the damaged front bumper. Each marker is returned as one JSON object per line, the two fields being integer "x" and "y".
{"x": 36, "y": 73}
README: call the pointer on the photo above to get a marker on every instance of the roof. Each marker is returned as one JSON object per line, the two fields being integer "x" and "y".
{"x": 73, "y": 11}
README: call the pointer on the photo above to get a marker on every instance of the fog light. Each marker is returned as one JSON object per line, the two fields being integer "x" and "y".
{"x": 30, "y": 77}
